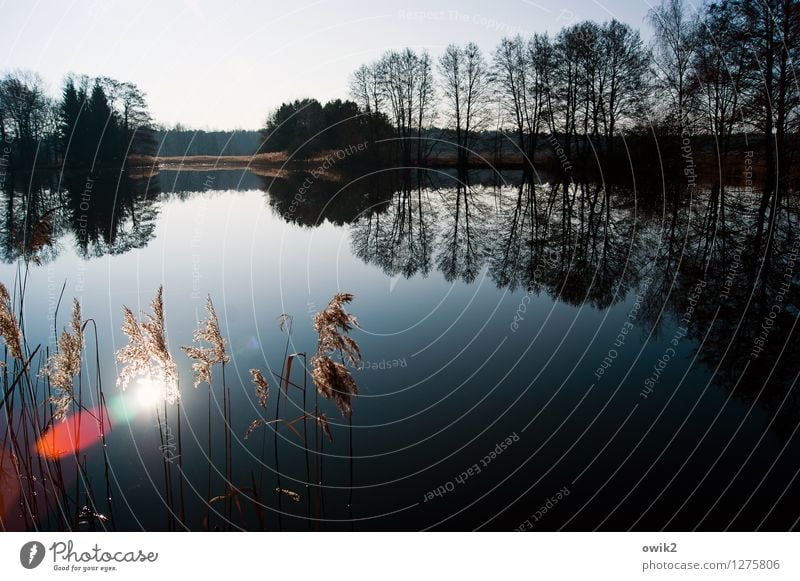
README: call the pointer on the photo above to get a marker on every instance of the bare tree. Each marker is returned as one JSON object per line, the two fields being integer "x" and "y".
{"x": 591, "y": 75}
{"x": 675, "y": 38}
{"x": 510, "y": 75}
{"x": 426, "y": 111}
{"x": 26, "y": 109}
{"x": 719, "y": 74}
{"x": 365, "y": 87}
{"x": 465, "y": 86}
{"x": 773, "y": 38}
{"x": 565, "y": 88}
{"x": 402, "y": 84}
{"x": 541, "y": 64}
{"x": 626, "y": 64}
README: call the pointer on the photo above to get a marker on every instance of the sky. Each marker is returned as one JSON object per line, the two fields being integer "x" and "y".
{"x": 226, "y": 65}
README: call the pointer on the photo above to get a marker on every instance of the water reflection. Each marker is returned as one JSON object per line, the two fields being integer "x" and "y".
{"x": 712, "y": 267}
{"x": 101, "y": 214}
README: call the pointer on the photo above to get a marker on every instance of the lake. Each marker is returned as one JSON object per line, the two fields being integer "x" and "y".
{"x": 537, "y": 355}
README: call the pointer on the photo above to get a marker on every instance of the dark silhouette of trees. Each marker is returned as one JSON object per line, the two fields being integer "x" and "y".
{"x": 25, "y": 117}
{"x": 401, "y": 86}
{"x": 716, "y": 70}
{"x": 521, "y": 75}
{"x": 102, "y": 214}
{"x": 304, "y": 128}
{"x": 399, "y": 235}
{"x": 583, "y": 85}
{"x": 625, "y": 66}
{"x": 103, "y": 128}
{"x": 675, "y": 38}
{"x": 773, "y": 38}
{"x": 465, "y": 87}
{"x": 73, "y": 100}
{"x": 102, "y": 122}
{"x": 295, "y": 127}
{"x": 181, "y": 141}
{"x": 720, "y": 74}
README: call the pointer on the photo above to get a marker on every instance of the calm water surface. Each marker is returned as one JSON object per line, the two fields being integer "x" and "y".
{"x": 584, "y": 349}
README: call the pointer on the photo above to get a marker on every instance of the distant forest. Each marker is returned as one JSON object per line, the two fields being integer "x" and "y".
{"x": 182, "y": 141}
{"x": 712, "y": 81}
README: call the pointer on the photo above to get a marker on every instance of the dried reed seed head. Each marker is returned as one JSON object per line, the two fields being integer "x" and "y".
{"x": 65, "y": 365}
{"x": 147, "y": 352}
{"x": 77, "y": 321}
{"x": 347, "y": 346}
{"x": 135, "y": 356}
{"x": 262, "y": 387}
{"x": 9, "y": 327}
{"x": 211, "y": 334}
{"x": 333, "y": 325}
{"x": 4, "y": 296}
{"x": 254, "y": 425}
{"x": 155, "y": 329}
{"x": 201, "y": 366}
{"x": 335, "y": 315}
{"x": 334, "y": 381}
{"x": 206, "y": 357}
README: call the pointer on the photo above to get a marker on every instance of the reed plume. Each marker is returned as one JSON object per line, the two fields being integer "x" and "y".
{"x": 262, "y": 387}
{"x": 65, "y": 365}
{"x": 9, "y": 327}
{"x": 206, "y": 357}
{"x": 333, "y": 325}
{"x": 332, "y": 379}
{"x": 254, "y": 425}
{"x": 147, "y": 352}
{"x": 262, "y": 395}
{"x": 136, "y": 354}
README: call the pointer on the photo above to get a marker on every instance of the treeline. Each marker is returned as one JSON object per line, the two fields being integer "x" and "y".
{"x": 725, "y": 69}
{"x": 181, "y": 141}
{"x": 94, "y": 123}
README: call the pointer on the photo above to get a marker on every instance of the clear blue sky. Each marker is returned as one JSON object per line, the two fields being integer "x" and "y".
{"x": 227, "y": 64}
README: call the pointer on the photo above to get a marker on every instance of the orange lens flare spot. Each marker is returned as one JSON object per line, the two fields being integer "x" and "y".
{"x": 77, "y": 432}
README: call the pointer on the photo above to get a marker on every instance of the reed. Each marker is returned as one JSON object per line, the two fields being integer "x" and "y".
{"x": 210, "y": 349}
{"x": 333, "y": 379}
{"x": 65, "y": 365}
{"x": 28, "y": 429}
{"x": 262, "y": 397}
{"x": 147, "y": 355}
{"x": 9, "y": 327}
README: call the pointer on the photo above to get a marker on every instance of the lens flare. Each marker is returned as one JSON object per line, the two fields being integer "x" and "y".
{"x": 77, "y": 432}
{"x": 149, "y": 392}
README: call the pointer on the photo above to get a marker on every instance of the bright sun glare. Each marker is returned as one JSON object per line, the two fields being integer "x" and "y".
{"x": 149, "y": 392}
